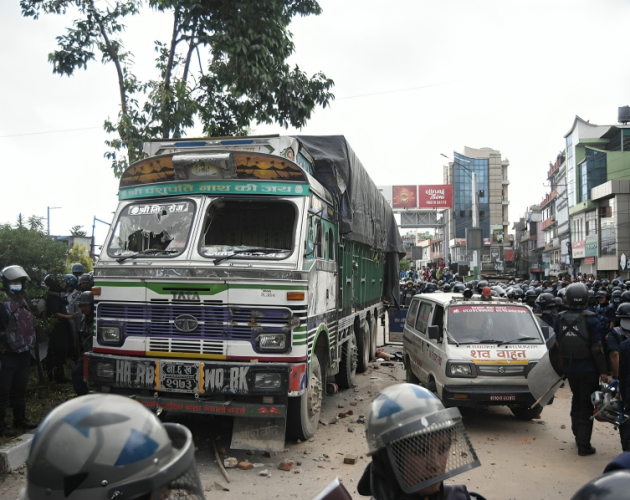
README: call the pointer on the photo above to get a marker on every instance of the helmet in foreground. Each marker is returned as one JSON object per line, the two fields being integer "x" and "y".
{"x": 108, "y": 447}
{"x": 611, "y": 486}
{"x": 424, "y": 442}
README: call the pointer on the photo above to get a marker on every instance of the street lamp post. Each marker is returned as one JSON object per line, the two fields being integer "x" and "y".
{"x": 48, "y": 218}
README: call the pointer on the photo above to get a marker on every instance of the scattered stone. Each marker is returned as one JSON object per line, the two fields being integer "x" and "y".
{"x": 350, "y": 459}
{"x": 230, "y": 462}
{"x": 376, "y": 367}
{"x": 334, "y": 421}
{"x": 350, "y": 429}
{"x": 257, "y": 465}
{"x": 299, "y": 441}
{"x": 298, "y": 463}
{"x": 245, "y": 465}
{"x": 286, "y": 449}
{"x": 492, "y": 463}
{"x": 297, "y": 471}
{"x": 342, "y": 415}
{"x": 269, "y": 454}
{"x": 356, "y": 389}
{"x": 361, "y": 457}
{"x": 264, "y": 473}
{"x": 250, "y": 452}
{"x": 354, "y": 403}
{"x": 322, "y": 422}
{"x": 349, "y": 412}
{"x": 361, "y": 420}
{"x": 321, "y": 467}
{"x": 312, "y": 440}
{"x": 325, "y": 456}
{"x": 339, "y": 405}
{"x": 222, "y": 451}
{"x": 563, "y": 426}
{"x": 359, "y": 398}
{"x": 220, "y": 487}
{"x": 286, "y": 465}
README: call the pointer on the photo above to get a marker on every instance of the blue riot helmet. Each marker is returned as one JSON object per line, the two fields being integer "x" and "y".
{"x": 78, "y": 269}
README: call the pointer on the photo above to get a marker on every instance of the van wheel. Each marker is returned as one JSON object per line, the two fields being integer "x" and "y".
{"x": 363, "y": 347}
{"x": 304, "y": 411}
{"x": 410, "y": 377}
{"x": 348, "y": 363}
{"x": 373, "y": 331}
{"x": 524, "y": 413}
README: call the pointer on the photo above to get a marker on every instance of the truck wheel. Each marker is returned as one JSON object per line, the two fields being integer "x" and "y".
{"x": 373, "y": 332}
{"x": 304, "y": 411}
{"x": 524, "y": 413}
{"x": 363, "y": 346}
{"x": 348, "y": 363}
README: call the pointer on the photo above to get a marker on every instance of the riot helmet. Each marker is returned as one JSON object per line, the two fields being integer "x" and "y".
{"x": 119, "y": 449}
{"x": 530, "y": 297}
{"x": 615, "y": 297}
{"x": 410, "y": 432}
{"x": 86, "y": 282}
{"x": 11, "y": 274}
{"x": 77, "y": 269}
{"x": 447, "y": 288}
{"x": 558, "y": 302}
{"x": 623, "y": 313}
{"x": 71, "y": 281}
{"x": 625, "y": 296}
{"x": 577, "y": 296}
{"x": 545, "y": 301}
{"x": 611, "y": 486}
{"x": 615, "y": 282}
{"x": 459, "y": 288}
{"x": 602, "y": 294}
{"x": 592, "y": 298}
{"x": 481, "y": 285}
{"x": 54, "y": 282}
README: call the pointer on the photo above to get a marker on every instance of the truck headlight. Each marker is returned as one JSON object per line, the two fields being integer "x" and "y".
{"x": 272, "y": 341}
{"x": 267, "y": 381}
{"x": 461, "y": 370}
{"x": 109, "y": 334}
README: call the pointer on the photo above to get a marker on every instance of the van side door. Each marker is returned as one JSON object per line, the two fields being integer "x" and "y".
{"x": 411, "y": 341}
{"x": 435, "y": 355}
{"x": 421, "y": 325}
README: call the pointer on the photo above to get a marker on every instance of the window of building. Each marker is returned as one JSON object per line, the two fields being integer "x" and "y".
{"x": 578, "y": 229}
{"x": 584, "y": 193}
{"x": 615, "y": 143}
{"x": 591, "y": 223}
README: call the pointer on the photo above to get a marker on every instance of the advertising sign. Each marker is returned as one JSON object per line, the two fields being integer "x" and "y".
{"x": 487, "y": 241}
{"x": 591, "y": 247}
{"x": 435, "y": 196}
{"x": 497, "y": 234}
{"x": 404, "y": 197}
{"x": 579, "y": 249}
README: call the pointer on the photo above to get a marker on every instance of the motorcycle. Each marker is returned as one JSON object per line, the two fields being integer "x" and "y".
{"x": 608, "y": 406}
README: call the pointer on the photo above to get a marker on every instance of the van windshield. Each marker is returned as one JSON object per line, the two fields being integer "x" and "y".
{"x": 473, "y": 324}
{"x": 162, "y": 227}
{"x": 248, "y": 229}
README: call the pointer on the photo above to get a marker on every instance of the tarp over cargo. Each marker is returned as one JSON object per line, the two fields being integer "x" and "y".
{"x": 366, "y": 217}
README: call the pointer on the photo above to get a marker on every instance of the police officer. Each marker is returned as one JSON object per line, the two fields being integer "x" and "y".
{"x": 105, "y": 447}
{"x": 86, "y": 303}
{"x": 620, "y": 361}
{"x": 582, "y": 361}
{"x": 411, "y": 437}
{"x": 407, "y": 294}
{"x": 17, "y": 338}
{"x": 86, "y": 282}
{"x": 58, "y": 336}
{"x": 77, "y": 269}
{"x": 549, "y": 309}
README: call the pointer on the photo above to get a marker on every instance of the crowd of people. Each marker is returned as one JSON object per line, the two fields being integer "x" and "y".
{"x": 67, "y": 318}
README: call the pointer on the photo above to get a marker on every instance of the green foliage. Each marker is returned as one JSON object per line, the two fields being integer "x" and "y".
{"x": 77, "y": 231}
{"x": 27, "y": 245}
{"x": 79, "y": 253}
{"x": 405, "y": 264}
{"x": 245, "y": 77}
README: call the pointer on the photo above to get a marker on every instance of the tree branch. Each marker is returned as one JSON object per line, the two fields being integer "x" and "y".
{"x": 166, "y": 126}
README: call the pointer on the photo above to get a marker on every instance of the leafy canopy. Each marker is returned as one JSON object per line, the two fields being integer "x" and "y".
{"x": 79, "y": 253}
{"x": 223, "y": 65}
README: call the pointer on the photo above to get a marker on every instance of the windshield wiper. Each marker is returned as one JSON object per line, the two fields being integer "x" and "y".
{"x": 144, "y": 252}
{"x": 249, "y": 250}
{"x": 490, "y": 341}
{"x": 513, "y": 341}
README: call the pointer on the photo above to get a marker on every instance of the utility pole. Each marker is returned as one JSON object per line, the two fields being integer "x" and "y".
{"x": 48, "y": 218}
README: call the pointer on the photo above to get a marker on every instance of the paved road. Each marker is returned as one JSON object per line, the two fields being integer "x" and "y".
{"x": 520, "y": 460}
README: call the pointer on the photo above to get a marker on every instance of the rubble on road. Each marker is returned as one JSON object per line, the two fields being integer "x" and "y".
{"x": 285, "y": 465}
{"x": 264, "y": 473}
{"x": 230, "y": 462}
{"x": 350, "y": 459}
{"x": 245, "y": 465}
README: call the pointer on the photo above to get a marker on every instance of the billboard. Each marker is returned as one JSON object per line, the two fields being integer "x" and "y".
{"x": 579, "y": 249}
{"x": 404, "y": 197}
{"x": 435, "y": 196}
{"x": 497, "y": 234}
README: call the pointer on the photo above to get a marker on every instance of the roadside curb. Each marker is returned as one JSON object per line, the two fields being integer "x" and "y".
{"x": 14, "y": 455}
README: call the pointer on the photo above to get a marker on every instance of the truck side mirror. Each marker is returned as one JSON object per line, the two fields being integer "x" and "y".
{"x": 434, "y": 332}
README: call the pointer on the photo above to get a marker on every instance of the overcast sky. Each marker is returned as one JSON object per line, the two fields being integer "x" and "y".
{"x": 413, "y": 79}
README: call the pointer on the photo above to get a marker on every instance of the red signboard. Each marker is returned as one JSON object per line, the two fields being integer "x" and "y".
{"x": 435, "y": 196}
{"x": 589, "y": 260}
{"x": 579, "y": 249}
{"x": 404, "y": 197}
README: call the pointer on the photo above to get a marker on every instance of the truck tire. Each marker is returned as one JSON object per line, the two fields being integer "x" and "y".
{"x": 303, "y": 412}
{"x": 373, "y": 332}
{"x": 524, "y": 413}
{"x": 348, "y": 363}
{"x": 363, "y": 346}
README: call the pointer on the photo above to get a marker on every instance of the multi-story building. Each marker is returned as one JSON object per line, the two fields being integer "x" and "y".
{"x": 598, "y": 196}
{"x": 529, "y": 245}
{"x": 493, "y": 200}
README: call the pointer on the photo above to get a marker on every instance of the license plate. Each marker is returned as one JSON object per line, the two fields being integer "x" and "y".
{"x": 179, "y": 377}
{"x": 503, "y": 397}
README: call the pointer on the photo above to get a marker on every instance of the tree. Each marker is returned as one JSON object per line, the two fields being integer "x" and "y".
{"x": 79, "y": 253}
{"x": 245, "y": 77}
{"x": 77, "y": 231}
{"x": 405, "y": 264}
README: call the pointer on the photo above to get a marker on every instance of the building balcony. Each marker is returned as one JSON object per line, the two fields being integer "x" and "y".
{"x": 505, "y": 182}
{"x": 505, "y": 201}
{"x": 549, "y": 222}
{"x": 550, "y": 197}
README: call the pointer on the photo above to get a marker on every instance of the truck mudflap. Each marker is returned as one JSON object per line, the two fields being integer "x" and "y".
{"x": 257, "y": 427}
{"x": 194, "y": 377}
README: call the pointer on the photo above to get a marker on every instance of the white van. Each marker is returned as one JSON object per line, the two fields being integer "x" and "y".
{"x": 473, "y": 352}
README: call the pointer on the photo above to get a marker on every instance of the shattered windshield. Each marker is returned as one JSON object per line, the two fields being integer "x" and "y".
{"x": 159, "y": 230}
{"x": 248, "y": 229}
{"x": 477, "y": 323}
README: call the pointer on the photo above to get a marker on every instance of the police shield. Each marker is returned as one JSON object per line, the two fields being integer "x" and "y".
{"x": 544, "y": 379}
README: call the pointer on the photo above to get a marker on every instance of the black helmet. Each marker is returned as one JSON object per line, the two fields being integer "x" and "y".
{"x": 447, "y": 287}
{"x": 625, "y": 296}
{"x": 602, "y": 294}
{"x": 597, "y": 283}
{"x": 577, "y": 296}
{"x": 54, "y": 282}
{"x": 604, "y": 282}
{"x": 623, "y": 311}
{"x": 592, "y": 298}
{"x": 458, "y": 287}
{"x": 86, "y": 298}
{"x": 558, "y": 301}
{"x": 611, "y": 486}
{"x": 615, "y": 297}
{"x": 615, "y": 282}
{"x": 545, "y": 300}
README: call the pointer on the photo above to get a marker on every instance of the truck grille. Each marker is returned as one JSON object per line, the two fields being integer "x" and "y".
{"x": 218, "y": 322}
{"x": 186, "y": 346}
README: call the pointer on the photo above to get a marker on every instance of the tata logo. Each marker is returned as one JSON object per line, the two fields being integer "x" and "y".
{"x": 186, "y": 323}
{"x": 186, "y": 297}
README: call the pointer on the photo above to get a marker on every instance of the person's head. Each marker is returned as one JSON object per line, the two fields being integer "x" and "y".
{"x": 412, "y": 437}
{"x": 54, "y": 283}
{"x": 86, "y": 303}
{"x": 486, "y": 293}
{"x": 78, "y": 269}
{"x": 86, "y": 282}
{"x": 610, "y": 486}
{"x": 602, "y": 296}
{"x": 14, "y": 279}
{"x": 103, "y": 446}
{"x": 577, "y": 296}
{"x": 72, "y": 283}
